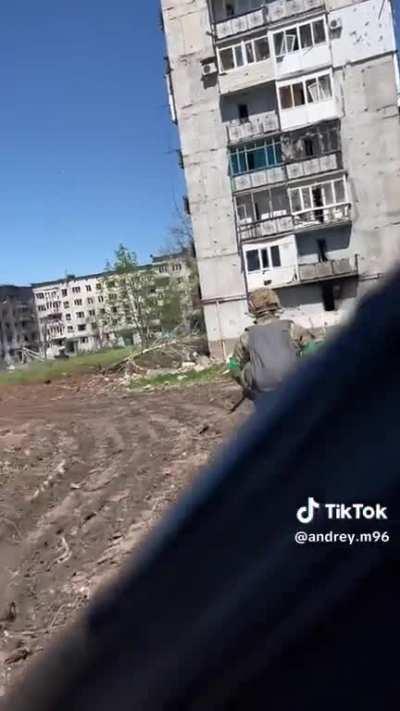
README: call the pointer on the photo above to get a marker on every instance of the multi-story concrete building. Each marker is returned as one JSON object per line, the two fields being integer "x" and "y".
{"x": 289, "y": 126}
{"x": 18, "y": 325}
{"x": 73, "y": 312}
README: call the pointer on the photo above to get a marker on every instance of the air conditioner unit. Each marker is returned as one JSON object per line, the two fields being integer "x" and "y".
{"x": 209, "y": 68}
{"x": 335, "y": 24}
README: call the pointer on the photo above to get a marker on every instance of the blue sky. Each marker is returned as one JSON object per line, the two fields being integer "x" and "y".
{"x": 86, "y": 143}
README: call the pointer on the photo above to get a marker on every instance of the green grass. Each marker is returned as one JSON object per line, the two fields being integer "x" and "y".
{"x": 54, "y": 369}
{"x": 179, "y": 379}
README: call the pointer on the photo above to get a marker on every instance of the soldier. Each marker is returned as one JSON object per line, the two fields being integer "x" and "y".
{"x": 267, "y": 351}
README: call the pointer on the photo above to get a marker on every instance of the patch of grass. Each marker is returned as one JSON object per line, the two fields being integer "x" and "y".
{"x": 55, "y": 369}
{"x": 178, "y": 379}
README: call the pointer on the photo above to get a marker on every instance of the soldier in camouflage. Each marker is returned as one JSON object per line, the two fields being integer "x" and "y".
{"x": 267, "y": 351}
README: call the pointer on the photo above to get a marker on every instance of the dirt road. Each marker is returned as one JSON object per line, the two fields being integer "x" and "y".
{"x": 83, "y": 476}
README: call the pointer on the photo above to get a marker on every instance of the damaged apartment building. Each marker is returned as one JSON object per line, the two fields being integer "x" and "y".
{"x": 74, "y": 313}
{"x": 289, "y": 127}
{"x": 18, "y": 326}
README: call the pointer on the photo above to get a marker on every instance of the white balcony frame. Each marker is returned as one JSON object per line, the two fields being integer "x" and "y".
{"x": 304, "y": 80}
{"x": 243, "y": 52}
{"x": 296, "y": 28}
{"x": 318, "y": 184}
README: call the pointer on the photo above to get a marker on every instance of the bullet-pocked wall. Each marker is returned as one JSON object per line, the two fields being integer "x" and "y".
{"x": 203, "y": 139}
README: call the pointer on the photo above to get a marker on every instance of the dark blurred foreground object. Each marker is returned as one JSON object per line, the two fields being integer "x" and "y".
{"x": 222, "y": 609}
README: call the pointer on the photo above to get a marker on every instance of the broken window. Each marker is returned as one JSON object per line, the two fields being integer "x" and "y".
{"x": 243, "y": 112}
{"x": 319, "y": 31}
{"x": 88, "y": 287}
{"x": 249, "y": 52}
{"x": 66, "y": 304}
{"x": 262, "y": 49}
{"x": 70, "y": 329}
{"x": 40, "y": 295}
{"x": 286, "y": 97}
{"x": 325, "y": 87}
{"x": 80, "y": 314}
{"x": 81, "y": 327}
{"x": 264, "y": 258}
{"x": 253, "y": 260}
{"x": 78, "y": 302}
{"x": 64, "y": 292}
{"x": 256, "y": 156}
{"x": 340, "y": 193}
{"x": 76, "y": 289}
{"x": 42, "y": 307}
{"x": 90, "y": 300}
{"x": 68, "y": 317}
{"x": 84, "y": 339}
{"x": 227, "y": 60}
{"x": 328, "y": 298}
{"x": 100, "y": 299}
{"x": 309, "y": 146}
{"x": 275, "y": 256}
{"x": 306, "y": 36}
{"x": 92, "y": 312}
{"x": 312, "y": 90}
{"x": 295, "y": 200}
{"x": 298, "y": 94}
{"x": 99, "y": 286}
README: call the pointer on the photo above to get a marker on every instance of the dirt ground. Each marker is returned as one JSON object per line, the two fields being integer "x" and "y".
{"x": 84, "y": 474}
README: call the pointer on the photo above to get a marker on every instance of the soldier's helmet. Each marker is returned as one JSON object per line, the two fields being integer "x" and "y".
{"x": 263, "y": 301}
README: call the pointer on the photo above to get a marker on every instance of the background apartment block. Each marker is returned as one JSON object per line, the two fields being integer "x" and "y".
{"x": 73, "y": 313}
{"x": 289, "y": 127}
{"x": 18, "y": 326}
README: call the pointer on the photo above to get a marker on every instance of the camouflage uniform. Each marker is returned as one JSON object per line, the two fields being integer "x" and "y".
{"x": 264, "y": 304}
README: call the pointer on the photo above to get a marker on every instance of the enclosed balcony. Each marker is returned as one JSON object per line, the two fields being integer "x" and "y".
{"x": 316, "y": 149}
{"x": 244, "y": 22}
{"x": 308, "y": 99}
{"x": 255, "y": 164}
{"x": 244, "y": 63}
{"x": 263, "y": 213}
{"x": 276, "y": 262}
{"x": 316, "y": 205}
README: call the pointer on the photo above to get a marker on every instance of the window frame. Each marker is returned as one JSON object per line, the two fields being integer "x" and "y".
{"x": 296, "y": 29}
{"x": 241, "y": 154}
{"x": 305, "y": 81}
{"x": 243, "y": 45}
{"x": 264, "y": 252}
{"x": 319, "y": 184}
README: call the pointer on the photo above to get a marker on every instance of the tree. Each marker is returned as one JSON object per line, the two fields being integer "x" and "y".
{"x": 181, "y": 241}
{"x": 130, "y": 298}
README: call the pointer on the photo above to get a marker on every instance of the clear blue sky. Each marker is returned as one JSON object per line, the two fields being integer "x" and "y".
{"x": 86, "y": 143}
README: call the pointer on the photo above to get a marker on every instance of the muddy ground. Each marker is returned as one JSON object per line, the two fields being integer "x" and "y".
{"x": 84, "y": 474}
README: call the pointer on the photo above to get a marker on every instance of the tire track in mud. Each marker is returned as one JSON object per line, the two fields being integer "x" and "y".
{"x": 113, "y": 465}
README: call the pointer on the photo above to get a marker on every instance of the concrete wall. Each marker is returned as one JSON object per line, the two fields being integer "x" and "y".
{"x": 371, "y": 154}
{"x": 304, "y": 304}
{"x": 204, "y": 147}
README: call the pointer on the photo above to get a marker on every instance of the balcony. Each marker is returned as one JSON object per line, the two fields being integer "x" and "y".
{"x": 312, "y": 166}
{"x": 241, "y": 23}
{"x": 282, "y": 9}
{"x": 258, "y": 178}
{"x": 331, "y": 269}
{"x": 255, "y": 127}
{"x": 317, "y": 218}
{"x": 266, "y": 228}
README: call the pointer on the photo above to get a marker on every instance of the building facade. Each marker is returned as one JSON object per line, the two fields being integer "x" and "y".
{"x": 74, "y": 313}
{"x": 289, "y": 126}
{"x": 18, "y": 326}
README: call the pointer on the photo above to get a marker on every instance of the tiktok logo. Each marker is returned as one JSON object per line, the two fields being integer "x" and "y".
{"x": 305, "y": 514}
